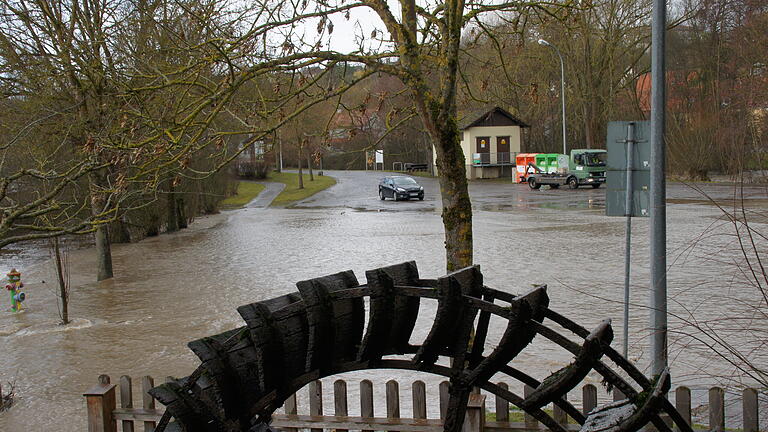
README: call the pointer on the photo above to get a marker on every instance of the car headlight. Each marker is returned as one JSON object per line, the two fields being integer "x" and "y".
{"x": 400, "y": 190}
{"x": 421, "y": 188}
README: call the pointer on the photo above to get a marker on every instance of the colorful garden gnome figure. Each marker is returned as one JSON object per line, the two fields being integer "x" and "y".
{"x": 14, "y": 287}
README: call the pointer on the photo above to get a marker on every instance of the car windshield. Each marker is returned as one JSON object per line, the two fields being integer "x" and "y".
{"x": 595, "y": 159}
{"x": 405, "y": 181}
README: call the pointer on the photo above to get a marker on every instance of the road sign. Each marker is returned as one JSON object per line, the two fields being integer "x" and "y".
{"x": 616, "y": 175}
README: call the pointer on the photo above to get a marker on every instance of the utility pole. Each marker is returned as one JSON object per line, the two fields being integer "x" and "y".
{"x": 658, "y": 300}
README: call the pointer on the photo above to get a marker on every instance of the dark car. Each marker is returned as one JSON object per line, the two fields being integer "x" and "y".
{"x": 400, "y": 187}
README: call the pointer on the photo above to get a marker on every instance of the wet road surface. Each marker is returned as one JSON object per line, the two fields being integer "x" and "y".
{"x": 175, "y": 288}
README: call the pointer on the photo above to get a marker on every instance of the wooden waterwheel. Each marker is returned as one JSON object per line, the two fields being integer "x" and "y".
{"x": 247, "y": 373}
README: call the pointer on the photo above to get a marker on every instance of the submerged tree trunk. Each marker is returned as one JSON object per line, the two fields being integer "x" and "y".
{"x": 181, "y": 213}
{"x": 309, "y": 166}
{"x": 63, "y": 289}
{"x": 301, "y": 176}
{"x": 103, "y": 246}
{"x": 172, "y": 216}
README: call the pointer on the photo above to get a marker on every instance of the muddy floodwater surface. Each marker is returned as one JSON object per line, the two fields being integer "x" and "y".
{"x": 171, "y": 289}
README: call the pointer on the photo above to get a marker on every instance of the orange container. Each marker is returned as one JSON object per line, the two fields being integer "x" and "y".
{"x": 521, "y": 161}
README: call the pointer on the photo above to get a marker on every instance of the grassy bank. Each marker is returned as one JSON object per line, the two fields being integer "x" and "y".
{"x": 292, "y": 193}
{"x": 246, "y": 192}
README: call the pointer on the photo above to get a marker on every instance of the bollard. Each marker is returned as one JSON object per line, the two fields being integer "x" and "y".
{"x": 101, "y": 403}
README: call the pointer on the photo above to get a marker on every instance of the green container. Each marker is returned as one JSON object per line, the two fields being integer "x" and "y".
{"x": 547, "y": 162}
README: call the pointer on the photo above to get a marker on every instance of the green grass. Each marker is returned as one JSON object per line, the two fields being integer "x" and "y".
{"x": 246, "y": 192}
{"x": 292, "y": 193}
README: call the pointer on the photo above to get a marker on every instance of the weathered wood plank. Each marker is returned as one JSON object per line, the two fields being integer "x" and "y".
{"x": 291, "y": 409}
{"x": 751, "y": 422}
{"x": 444, "y": 396}
{"x": 515, "y": 338}
{"x": 147, "y": 401}
{"x": 340, "y": 400}
{"x": 126, "y": 400}
{"x": 529, "y": 420}
{"x": 101, "y": 403}
{"x": 453, "y": 320}
{"x": 419, "y": 393}
{"x": 557, "y": 384}
{"x": 137, "y": 415}
{"x": 331, "y": 337}
{"x": 589, "y": 398}
{"x": 558, "y": 414}
{"x": 502, "y": 405}
{"x": 683, "y": 403}
{"x": 405, "y": 309}
{"x": 474, "y": 420}
{"x": 393, "y": 399}
{"x": 366, "y": 400}
{"x": 316, "y": 401}
{"x": 382, "y": 309}
{"x": 716, "y": 409}
{"x": 358, "y": 423}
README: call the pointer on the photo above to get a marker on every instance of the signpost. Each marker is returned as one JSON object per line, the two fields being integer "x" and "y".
{"x": 628, "y": 179}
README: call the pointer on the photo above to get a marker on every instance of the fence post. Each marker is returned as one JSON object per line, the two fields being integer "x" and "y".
{"x": 393, "y": 399}
{"x": 716, "y": 409}
{"x": 502, "y": 405}
{"x": 683, "y": 403}
{"x": 589, "y": 399}
{"x": 126, "y": 400}
{"x": 558, "y": 414}
{"x": 148, "y": 402}
{"x": 101, "y": 402}
{"x": 316, "y": 401}
{"x": 474, "y": 421}
{"x": 291, "y": 408}
{"x": 366, "y": 400}
{"x": 749, "y": 410}
{"x": 340, "y": 400}
{"x": 530, "y": 422}
{"x": 444, "y": 395}
{"x": 419, "y": 392}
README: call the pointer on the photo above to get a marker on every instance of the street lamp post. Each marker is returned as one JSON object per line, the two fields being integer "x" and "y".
{"x": 562, "y": 86}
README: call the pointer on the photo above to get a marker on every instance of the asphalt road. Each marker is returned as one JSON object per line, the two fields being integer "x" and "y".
{"x": 358, "y": 190}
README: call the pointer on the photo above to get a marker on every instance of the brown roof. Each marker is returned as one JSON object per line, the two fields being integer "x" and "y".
{"x": 490, "y": 117}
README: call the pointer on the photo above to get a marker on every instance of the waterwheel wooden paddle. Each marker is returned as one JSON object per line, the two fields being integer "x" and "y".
{"x": 289, "y": 341}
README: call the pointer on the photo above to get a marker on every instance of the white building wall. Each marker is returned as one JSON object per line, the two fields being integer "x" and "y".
{"x": 468, "y": 144}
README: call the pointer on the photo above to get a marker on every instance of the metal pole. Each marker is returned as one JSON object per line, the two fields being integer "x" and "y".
{"x": 628, "y": 230}
{"x": 658, "y": 301}
{"x": 562, "y": 93}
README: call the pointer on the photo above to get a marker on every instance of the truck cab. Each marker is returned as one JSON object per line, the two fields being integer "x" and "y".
{"x": 585, "y": 167}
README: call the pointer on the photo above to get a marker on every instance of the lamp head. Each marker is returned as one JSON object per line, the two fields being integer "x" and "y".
{"x": 543, "y": 42}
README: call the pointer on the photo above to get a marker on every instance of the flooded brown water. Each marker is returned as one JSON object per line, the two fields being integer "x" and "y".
{"x": 175, "y": 288}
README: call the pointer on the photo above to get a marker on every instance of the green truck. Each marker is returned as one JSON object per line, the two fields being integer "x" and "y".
{"x": 582, "y": 167}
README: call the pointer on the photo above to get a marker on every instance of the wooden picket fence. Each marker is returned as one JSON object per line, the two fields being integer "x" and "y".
{"x": 105, "y": 416}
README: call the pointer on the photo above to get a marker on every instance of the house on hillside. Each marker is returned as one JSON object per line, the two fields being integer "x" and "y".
{"x": 490, "y": 139}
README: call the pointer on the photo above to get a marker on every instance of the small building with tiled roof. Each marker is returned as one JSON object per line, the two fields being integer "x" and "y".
{"x": 490, "y": 139}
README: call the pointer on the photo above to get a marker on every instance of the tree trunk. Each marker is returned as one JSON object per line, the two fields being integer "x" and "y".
{"x": 309, "y": 166}
{"x": 63, "y": 291}
{"x": 103, "y": 247}
{"x": 172, "y": 214}
{"x": 301, "y": 176}
{"x": 457, "y": 208}
{"x": 181, "y": 214}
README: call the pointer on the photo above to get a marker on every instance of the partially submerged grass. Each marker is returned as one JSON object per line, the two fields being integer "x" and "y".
{"x": 246, "y": 192}
{"x": 292, "y": 193}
